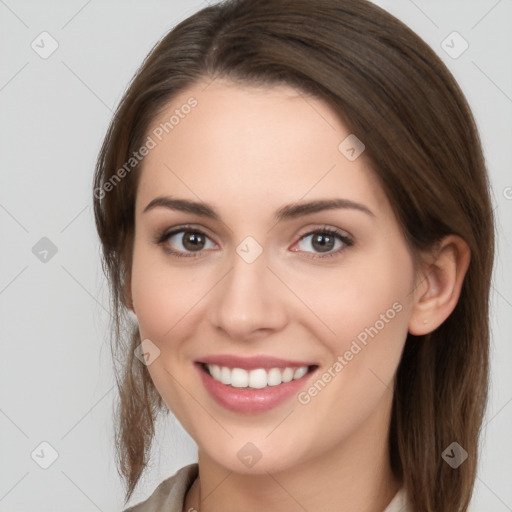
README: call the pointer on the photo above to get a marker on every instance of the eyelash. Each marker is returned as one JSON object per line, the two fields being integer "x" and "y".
{"x": 162, "y": 237}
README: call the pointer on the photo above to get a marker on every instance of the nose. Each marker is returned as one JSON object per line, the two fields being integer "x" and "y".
{"x": 249, "y": 302}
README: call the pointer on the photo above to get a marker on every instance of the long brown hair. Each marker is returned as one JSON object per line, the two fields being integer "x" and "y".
{"x": 391, "y": 90}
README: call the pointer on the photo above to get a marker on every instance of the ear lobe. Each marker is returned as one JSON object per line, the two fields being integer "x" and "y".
{"x": 441, "y": 282}
{"x": 130, "y": 307}
{"x": 127, "y": 298}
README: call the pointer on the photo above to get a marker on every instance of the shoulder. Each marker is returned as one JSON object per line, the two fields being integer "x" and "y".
{"x": 399, "y": 503}
{"x": 170, "y": 494}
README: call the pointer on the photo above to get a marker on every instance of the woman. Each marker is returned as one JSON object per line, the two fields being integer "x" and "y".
{"x": 292, "y": 202}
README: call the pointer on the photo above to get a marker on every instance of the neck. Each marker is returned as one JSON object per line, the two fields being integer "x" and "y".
{"x": 354, "y": 476}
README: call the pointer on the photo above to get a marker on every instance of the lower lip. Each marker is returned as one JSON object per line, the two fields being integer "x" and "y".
{"x": 247, "y": 400}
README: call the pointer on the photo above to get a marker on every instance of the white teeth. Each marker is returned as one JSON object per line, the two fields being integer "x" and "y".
{"x": 274, "y": 377}
{"x": 258, "y": 379}
{"x": 287, "y": 375}
{"x": 216, "y": 372}
{"x": 300, "y": 372}
{"x": 255, "y": 379}
{"x": 239, "y": 378}
{"x": 225, "y": 375}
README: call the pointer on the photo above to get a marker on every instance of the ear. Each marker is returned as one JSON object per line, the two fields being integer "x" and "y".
{"x": 440, "y": 283}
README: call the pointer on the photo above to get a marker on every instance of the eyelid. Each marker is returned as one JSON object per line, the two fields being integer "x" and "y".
{"x": 324, "y": 228}
{"x": 164, "y": 234}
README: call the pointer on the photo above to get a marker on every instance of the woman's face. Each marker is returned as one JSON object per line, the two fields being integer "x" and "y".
{"x": 262, "y": 244}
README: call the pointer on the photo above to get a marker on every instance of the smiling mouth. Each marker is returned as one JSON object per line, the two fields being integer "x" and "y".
{"x": 257, "y": 378}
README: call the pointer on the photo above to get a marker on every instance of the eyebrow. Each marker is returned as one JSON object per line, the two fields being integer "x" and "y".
{"x": 287, "y": 212}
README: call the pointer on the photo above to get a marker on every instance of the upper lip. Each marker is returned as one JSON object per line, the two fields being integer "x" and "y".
{"x": 252, "y": 363}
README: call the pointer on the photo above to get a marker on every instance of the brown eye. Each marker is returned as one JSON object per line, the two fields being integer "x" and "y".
{"x": 184, "y": 242}
{"x": 324, "y": 241}
{"x": 193, "y": 241}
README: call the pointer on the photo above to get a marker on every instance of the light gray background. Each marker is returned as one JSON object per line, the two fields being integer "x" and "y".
{"x": 56, "y": 383}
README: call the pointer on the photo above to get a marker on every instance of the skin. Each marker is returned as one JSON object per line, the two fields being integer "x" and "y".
{"x": 247, "y": 152}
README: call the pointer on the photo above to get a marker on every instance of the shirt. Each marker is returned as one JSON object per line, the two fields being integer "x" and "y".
{"x": 169, "y": 496}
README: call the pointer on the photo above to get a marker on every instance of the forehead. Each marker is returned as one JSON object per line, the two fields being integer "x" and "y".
{"x": 247, "y": 145}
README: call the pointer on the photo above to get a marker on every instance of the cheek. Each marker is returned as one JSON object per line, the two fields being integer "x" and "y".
{"x": 162, "y": 294}
{"x": 367, "y": 299}
{"x": 367, "y": 308}
{"x": 164, "y": 301}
